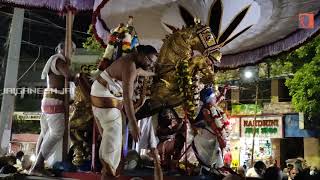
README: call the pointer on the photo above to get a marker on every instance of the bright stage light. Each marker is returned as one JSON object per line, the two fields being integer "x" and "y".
{"x": 33, "y": 158}
{"x": 248, "y": 74}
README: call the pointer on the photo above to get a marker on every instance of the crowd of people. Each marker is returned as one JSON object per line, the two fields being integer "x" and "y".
{"x": 296, "y": 169}
{"x": 18, "y": 163}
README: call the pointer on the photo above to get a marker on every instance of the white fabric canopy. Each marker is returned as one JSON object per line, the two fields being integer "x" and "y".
{"x": 272, "y": 20}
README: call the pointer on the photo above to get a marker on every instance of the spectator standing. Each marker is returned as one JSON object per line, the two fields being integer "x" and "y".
{"x": 257, "y": 170}
{"x": 272, "y": 173}
{"x": 227, "y": 158}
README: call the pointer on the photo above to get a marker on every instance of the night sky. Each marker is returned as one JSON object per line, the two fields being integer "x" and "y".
{"x": 42, "y": 28}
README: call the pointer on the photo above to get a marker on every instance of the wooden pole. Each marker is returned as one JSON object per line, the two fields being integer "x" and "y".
{"x": 254, "y": 122}
{"x": 68, "y": 53}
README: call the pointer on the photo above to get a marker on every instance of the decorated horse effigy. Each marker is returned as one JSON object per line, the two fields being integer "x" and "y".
{"x": 182, "y": 76}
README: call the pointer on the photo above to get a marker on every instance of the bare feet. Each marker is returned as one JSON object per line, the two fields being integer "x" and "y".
{"x": 38, "y": 168}
{"x": 158, "y": 174}
{"x": 107, "y": 173}
{"x": 108, "y": 177}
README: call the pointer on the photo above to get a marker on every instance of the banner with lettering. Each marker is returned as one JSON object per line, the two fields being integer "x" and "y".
{"x": 245, "y": 109}
{"x": 27, "y": 116}
{"x": 265, "y": 126}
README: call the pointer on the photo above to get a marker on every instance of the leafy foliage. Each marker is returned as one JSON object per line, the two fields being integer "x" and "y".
{"x": 25, "y": 126}
{"x": 91, "y": 43}
{"x": 293, "y": 61}
{"x": 223, "y": 76}
{"x": 304, "y": 87}
{"x": 279, "y": 68}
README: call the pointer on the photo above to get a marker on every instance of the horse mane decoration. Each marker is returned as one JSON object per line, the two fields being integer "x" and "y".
{"x": 179, "y": 71}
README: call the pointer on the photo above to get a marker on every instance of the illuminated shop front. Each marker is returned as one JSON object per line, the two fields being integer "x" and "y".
{"x": 234, "y": 144}
{"x": 268, "y": 131}
{"x": 25, "y": 132}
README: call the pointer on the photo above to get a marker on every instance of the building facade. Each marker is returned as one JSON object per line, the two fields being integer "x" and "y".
{"x": 281, "y": 132}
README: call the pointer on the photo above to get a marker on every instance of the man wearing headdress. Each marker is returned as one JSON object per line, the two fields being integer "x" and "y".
{"x": 212, "y": 135}
{"x": 52, "y": 121}
{"x": 212, "y": 115}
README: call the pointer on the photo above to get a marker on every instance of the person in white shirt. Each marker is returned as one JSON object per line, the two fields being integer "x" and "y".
{"x": 257, "y": 170}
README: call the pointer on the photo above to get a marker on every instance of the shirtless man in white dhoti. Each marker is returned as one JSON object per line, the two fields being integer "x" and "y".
{"x": 110, "y": 92}
{"x": 53, "y": 108}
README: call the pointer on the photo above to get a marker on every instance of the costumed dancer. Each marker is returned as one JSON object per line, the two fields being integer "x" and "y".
{"x": 213, "y": 115}
{"x": 110, "y": 92}
{"x": 53, "y": 109}
{"x": 170, "y": 132}
{"x": 213, "y": 127}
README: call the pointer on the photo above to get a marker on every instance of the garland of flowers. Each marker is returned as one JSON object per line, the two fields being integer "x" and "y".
{"x": 186, "y": 86}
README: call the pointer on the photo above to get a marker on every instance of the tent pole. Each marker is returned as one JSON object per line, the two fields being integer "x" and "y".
{"x": 68, "y": 53}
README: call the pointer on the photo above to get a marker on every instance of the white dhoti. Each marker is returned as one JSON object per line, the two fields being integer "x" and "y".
{"x": 53, "y": 118}
{"x": 52, "y": 127}
{"x": 204, "y": 149}
{"x": 110, "y": 120}
{"x": 208, "y": 149}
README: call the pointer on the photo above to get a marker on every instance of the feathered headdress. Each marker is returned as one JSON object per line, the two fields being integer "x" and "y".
{"x": 214, "y": 22}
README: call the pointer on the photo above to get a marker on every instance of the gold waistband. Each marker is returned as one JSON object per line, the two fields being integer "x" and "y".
{"x": 106, "y": 102}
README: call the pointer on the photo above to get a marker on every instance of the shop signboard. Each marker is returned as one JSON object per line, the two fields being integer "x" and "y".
{"x": 266, "y": 126}
{"x": 27, "y": 116}
{"x": 245, "y": 109}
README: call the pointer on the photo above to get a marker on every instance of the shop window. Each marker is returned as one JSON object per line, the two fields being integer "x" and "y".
{"x": 283, "y": 91}
{"x": 265, "y": 91}
{"x": 248, "y": 92}
{"x": 262, "y": 150}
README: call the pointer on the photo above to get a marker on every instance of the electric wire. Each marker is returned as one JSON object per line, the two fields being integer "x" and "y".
{"x": 39, "y": 52}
